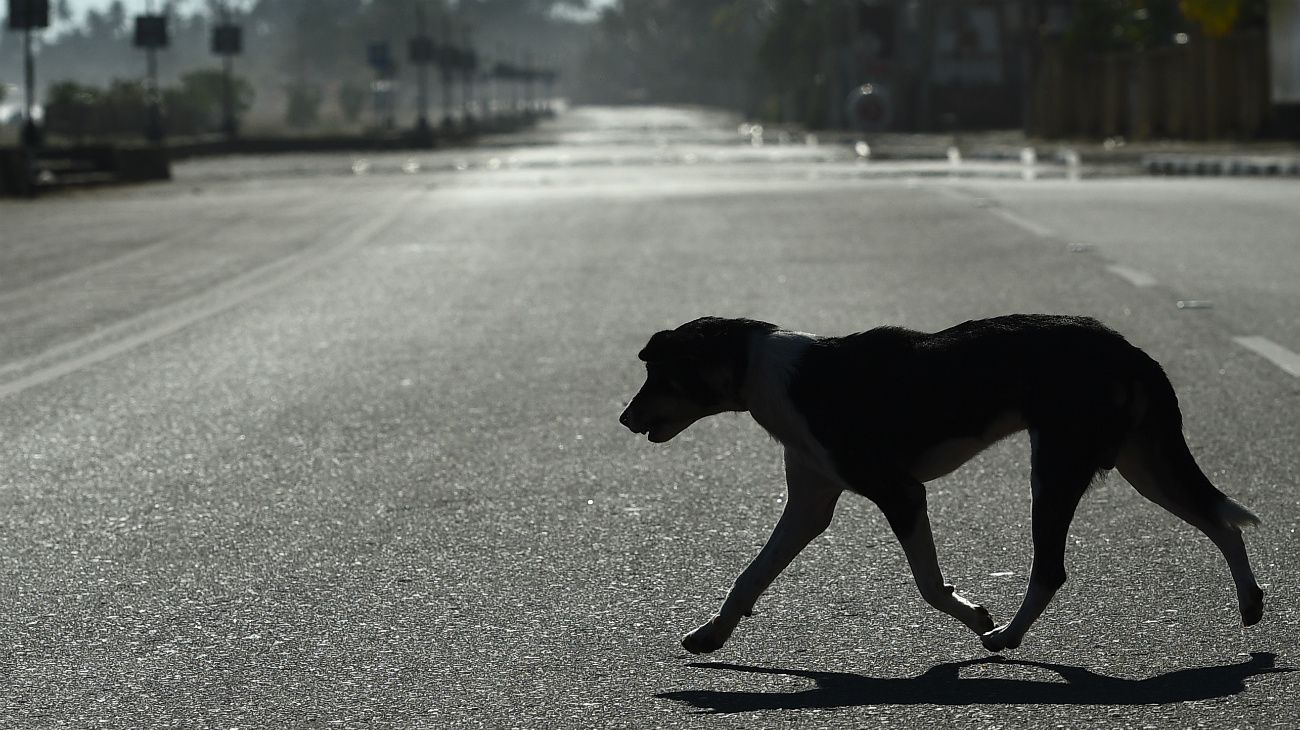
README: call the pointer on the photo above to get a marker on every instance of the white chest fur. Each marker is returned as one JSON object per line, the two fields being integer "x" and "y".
{"x": 773, "y": 359}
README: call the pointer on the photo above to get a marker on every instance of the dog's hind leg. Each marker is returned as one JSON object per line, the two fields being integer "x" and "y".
{"x": 904, "y": 506}
{"x": 1157, "y": 462}
{"x": 1060, "y": 473}
{"x": 809, "y": 506}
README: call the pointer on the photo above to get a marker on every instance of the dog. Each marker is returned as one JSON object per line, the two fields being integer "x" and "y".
{"x": 882, "y": 412}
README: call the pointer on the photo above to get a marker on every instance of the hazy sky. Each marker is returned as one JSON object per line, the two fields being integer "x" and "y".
{"x": 80, "y": 6}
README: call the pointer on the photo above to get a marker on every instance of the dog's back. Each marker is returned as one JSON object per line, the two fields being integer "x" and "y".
{"x": 901, "y": 391}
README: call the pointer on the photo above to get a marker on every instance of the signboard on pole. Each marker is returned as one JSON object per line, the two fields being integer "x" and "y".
{"x": 379, "y": 56}
{"x": 151, "y": 31}
{"x": 421, "y": 50}
{"x": 29, "y": 14}
{"x": 227, "y": 40}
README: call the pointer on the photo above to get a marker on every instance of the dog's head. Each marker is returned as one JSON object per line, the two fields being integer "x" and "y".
{"x": 694, "y": 371}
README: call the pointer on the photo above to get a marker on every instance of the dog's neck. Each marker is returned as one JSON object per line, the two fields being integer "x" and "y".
{"x": 773, "y": 362}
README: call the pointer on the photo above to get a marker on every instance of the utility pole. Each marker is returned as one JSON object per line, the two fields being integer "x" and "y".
{"x": 29, "y": 16}
{"x": 548, "y": 78}
{"x": 530, "y": 81}
{"x": 228, "y": 42}
{"x": 421, "y": 52}
{"x": 446, "y": 62}
{"x": 504, "y": 73}
{"x": 151, "y": 35}
{"x": 379, "y": 56}
{"x": 468, "y": 67}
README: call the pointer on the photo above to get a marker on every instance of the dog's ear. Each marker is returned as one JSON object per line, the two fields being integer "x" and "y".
{"x": 660, "y": 347}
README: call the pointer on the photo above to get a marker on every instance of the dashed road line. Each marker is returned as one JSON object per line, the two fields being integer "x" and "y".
{"x": 1288, "y": 361}
{"x": 992, "y": 206}
{"x": 1132, "y": 276}
{"x": 1284, "y": 359}
{"x": 1022, "y": 223}
{"x": 227, "y": 296}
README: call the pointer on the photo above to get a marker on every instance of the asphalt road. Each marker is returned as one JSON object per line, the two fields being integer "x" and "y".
{"x": 333, "y": 442}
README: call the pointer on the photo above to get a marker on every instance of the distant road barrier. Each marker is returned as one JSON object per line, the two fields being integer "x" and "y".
{"x": 57, "y": 167}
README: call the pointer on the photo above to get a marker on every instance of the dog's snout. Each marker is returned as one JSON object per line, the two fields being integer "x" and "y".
{"x": 629, "y": 420}
{"x": 625, "y": 418}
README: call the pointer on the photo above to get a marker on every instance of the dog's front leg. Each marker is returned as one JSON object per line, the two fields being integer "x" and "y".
{"x": 809, "y": 506}
{"x": 903, "y": 502}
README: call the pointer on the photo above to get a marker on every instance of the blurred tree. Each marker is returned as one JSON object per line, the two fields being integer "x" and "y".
{"x": 692, "y": 51}
{"x": 791, "y": 57}
{"x": 124, "y": 109}
{"x": 1118, "y": 25}
{"x": 110, "y": 24}
{"x": 70, "y": 109}
{"x": 1115, "y": 25}
{"x": 208, "y": 87}
{"x": 352, "y": 101}
{"x": 303, "y": 110}
{"x": 1219, "y": 17}
{"x": 196, "y": 106}
{"x": 1216, "y": 17}
{"x": 79, "y": 111}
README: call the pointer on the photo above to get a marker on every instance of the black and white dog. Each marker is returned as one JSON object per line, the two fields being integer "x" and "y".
{"x": 882, "y": 412}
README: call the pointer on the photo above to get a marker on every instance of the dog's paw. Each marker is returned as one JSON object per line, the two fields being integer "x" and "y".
{"x": 704, "y": 640}
{"x": 998, "y": 639}
{"x": 983, "y": 621}
{"x": 1252, "y": 609}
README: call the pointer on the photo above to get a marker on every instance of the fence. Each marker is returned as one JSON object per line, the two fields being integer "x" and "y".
{"x": 1210, "y": 88}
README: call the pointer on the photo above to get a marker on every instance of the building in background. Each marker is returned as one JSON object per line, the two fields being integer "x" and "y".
{"x": 937, "y": 64}
{"x": 1284, "y": 65}
{"x": 1057, "y": 68}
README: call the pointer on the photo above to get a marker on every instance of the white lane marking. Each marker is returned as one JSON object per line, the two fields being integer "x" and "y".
{"x": 993, "y": 207}
{"x": 1132, "y": 276}
{"x": 1288, "y": 361}
{"x": 234, "y": 292}
{"x": 87, "y": 272}
{"x": 948, "y": 191}
{"x": 1022, "y": 223}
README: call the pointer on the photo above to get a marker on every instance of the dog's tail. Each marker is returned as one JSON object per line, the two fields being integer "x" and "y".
{"x": 1157, "y": 435}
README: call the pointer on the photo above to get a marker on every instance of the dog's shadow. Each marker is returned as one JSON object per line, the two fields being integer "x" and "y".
{"x": 943, "y": 685}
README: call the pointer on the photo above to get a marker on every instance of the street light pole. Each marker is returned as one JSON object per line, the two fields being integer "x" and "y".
{"x": 153, "y": 129}
{"x": 469, "y": 66}
{"x": 446, "y": 51}
{"x": 490, "y": 103}
{"x": 422, "y": 123}
{"x": 29, "y": 16}
{"x": 151, "y": 34}
{"x": 228, "y": 124}
{"x": 31, "y": 134}
{"x": 227, "y": 42}
{"x": 530, "y": 81}
{"x": 421, "y": 53}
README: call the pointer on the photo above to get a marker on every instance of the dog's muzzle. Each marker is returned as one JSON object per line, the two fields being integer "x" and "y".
{"x": 629, "y": 422}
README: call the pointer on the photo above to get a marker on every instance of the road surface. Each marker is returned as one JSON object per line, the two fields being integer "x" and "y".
{"x": 333, "y": 442}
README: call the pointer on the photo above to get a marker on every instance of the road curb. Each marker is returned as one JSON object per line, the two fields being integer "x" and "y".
{"x": 1206, "y": 165}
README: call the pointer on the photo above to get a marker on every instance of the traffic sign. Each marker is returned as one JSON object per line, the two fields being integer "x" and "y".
{"x": 151, "y": 31}
{"x": 29, "y": 14}
{"x": 227, "y": 40}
